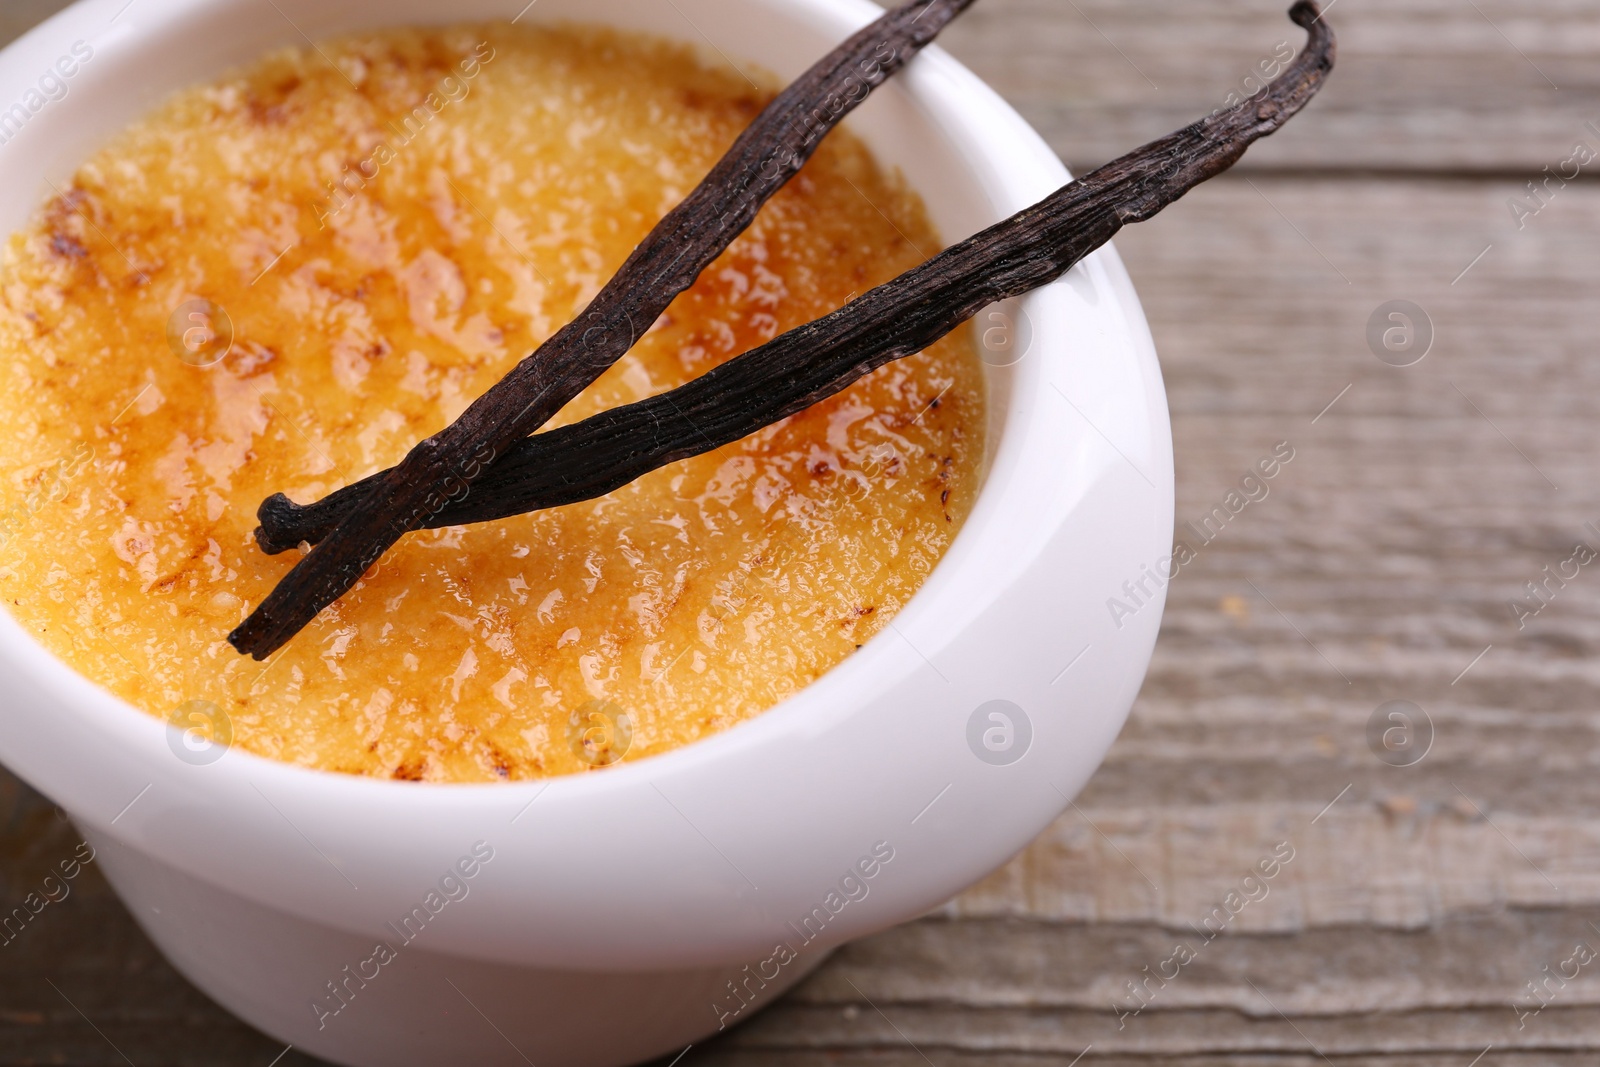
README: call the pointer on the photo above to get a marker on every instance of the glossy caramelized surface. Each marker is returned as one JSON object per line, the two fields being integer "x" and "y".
{"x": 389, "y": 222}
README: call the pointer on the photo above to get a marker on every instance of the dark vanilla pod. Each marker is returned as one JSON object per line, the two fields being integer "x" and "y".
{"x": 440, "y": 470}
{"x": 786, "y": 375}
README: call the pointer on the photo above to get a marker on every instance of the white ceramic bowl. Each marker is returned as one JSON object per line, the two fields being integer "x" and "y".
{"x": 619, "y": 905}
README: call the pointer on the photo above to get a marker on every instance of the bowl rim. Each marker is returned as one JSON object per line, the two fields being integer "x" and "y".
{"x": 1093, "y": 309}
{"x": 785, "y": 715}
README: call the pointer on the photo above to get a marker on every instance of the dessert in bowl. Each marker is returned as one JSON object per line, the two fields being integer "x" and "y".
{"x": 344, "y": 245}
{"x": 612, "y": 914}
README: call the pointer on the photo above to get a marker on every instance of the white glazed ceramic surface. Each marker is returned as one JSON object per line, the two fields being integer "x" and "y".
{"x": 694, "y": 862}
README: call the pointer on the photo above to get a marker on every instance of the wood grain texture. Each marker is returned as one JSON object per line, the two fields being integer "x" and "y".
{"x": 1380, "y": 565}
{"x": 19, "y": 16}
{"x": 1423, "y": 85}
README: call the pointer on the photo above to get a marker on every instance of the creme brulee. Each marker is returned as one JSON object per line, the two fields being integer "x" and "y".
{"x": 387, "y": 224}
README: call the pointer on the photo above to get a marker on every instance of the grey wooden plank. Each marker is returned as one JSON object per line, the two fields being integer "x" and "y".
{"x": 1019, "y": 989}
{"x": 1391, "y": 545}
{"x": 1423, "y": 85}
{"x": 19, "y": 16}
{"x": 730, "y": 1055}
{"x": 1389, "y": 548}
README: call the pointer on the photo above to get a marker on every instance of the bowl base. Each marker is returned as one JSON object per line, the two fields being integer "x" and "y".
{"x": 329, "y": 993}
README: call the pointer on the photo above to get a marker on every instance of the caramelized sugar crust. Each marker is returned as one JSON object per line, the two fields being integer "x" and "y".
{"x": 390, "y": 224}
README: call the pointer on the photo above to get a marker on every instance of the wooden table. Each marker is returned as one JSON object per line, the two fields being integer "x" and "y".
{"x": 1420, "y": 899}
